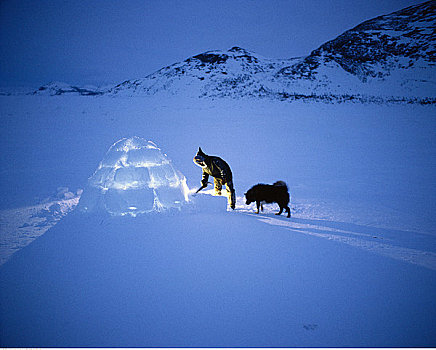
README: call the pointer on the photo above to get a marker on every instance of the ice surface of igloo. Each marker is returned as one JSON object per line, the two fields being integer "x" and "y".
{"x": 134, "y": 177}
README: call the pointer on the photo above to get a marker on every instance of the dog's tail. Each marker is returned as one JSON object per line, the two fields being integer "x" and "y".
{"x": 280, "y": 183}
{"x": 284, "y": 189}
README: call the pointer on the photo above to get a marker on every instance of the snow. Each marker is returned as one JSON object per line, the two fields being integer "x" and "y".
{"x": 355, "y": 265}
{"x": 20, "y": 226}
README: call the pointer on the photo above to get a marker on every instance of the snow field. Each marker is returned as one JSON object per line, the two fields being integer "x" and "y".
{"x": 208, "y": 278}
{"x": 354, "y": 266}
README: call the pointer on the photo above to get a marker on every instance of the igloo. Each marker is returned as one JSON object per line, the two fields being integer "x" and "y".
{"x": 134, "y": 177}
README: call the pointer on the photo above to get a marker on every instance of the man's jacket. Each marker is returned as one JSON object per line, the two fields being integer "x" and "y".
{"x": 214, "y": 166}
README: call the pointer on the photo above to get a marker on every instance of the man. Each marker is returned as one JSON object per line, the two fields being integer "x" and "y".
{"x": 221, "y": 173}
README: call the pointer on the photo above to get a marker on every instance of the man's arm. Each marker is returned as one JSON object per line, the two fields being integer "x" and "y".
{"x": 204, "y": 181}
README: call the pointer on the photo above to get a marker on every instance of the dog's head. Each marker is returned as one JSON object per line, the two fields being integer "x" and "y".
{"x": 250, "y": 196}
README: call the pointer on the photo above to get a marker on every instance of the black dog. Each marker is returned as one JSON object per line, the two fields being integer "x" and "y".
{"x": 278, "y": 193}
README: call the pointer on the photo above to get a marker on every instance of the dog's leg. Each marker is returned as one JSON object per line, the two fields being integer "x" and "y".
{"x": 261, "y": 206}
{"x": 281, "y": 211}
{"x": 258, "y": 205}
{"x": 288, "y": 211}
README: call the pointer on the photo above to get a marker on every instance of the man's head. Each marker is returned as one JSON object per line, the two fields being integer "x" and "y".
{"x": 200, "y": 158}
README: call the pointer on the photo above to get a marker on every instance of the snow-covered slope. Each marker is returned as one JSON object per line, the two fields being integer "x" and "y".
{"x": 377, "y": 48}
{"x": 235, "y": 73}
{"x": 396, "y": 51}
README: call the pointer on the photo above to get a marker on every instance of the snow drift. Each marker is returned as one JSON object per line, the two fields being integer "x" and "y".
{"x": 134, "y": 177}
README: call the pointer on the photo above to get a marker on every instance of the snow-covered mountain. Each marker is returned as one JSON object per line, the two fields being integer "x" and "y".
{"x": 235, "y": 72}
{"x": 390, "y": 57}
{"x": 392, "y": 54}
{"x": 379, "y": 47}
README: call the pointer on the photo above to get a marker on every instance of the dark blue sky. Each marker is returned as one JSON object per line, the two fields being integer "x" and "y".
{"x": 108, "y": 41}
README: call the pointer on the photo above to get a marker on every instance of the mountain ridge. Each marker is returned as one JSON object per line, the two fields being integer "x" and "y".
{"x": 389, "y": 58}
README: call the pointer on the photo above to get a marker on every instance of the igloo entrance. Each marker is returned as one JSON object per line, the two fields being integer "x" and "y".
{"x": 134, "y": 177}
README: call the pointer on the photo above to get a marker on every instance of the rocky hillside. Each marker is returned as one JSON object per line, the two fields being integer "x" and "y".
{"x": 376, "y": 48}
{"x": 58, "y": 88}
